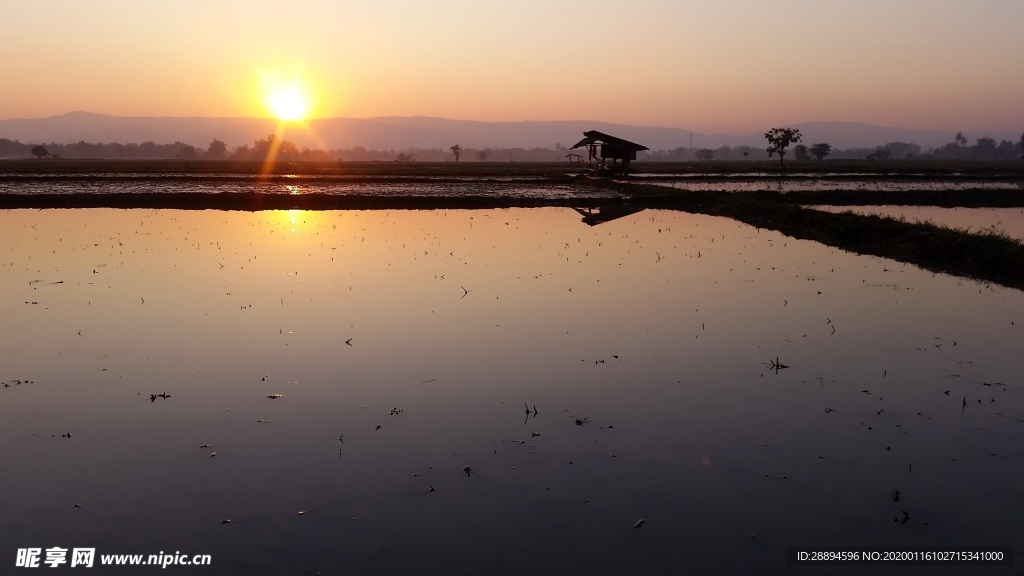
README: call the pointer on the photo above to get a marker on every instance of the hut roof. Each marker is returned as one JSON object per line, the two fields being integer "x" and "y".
{"x": 595, "y": 137}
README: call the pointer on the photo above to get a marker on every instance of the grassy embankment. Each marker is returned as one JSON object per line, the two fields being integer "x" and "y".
{"x": 985, "y": 256}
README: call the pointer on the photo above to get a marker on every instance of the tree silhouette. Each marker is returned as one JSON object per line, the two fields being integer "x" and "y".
{"x": 985, "y": 146}
{"x": 288, "y": 150}
{"x": 217, "y": 149}
{"x": 456, "y": 151}
{"x": 960, "y": 139}
{"x": 264, "y": 146}
{"x": 40, "y": 151}
{"x": 880, "y": 154}
{"x": 903, "y": 149}
{"x": 800, "y": 152}
{"x": 185, "y": 151}
{"x": 819, "y": 151}
{"x": 779, "y": 139}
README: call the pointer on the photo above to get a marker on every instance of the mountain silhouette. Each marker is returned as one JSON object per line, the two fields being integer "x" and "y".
{"x": 400, "y": 133}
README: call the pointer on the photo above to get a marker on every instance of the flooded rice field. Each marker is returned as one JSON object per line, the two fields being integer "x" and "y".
{"x": 817, "y": 184}
{"x": 1008, "y": 221}
{"x": 33, "y": 185}
{"x": 494, "y": 392}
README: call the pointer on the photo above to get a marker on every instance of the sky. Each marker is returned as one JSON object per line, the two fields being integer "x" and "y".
{"x": 730, "y": 66}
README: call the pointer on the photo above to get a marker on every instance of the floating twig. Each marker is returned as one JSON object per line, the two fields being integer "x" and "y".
{"x": 776, "y": 365}
{"x": 1010, "y": 417}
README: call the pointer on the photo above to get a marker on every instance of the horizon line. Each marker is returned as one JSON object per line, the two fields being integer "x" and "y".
{"x": 494, "y": 122}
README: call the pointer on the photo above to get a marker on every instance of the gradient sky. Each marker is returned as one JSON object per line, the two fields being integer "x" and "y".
{"x": 733, "y": 66}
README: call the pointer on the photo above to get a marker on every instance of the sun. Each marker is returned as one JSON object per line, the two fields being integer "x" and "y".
{"x": 288, "y": 103}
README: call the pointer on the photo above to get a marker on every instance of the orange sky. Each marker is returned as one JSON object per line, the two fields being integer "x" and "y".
{"x": 704, "y": 65}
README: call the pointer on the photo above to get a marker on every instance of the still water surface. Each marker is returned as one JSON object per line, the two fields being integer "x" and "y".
{"x": 406, "y": 347}
{"x": 747, "y": 183}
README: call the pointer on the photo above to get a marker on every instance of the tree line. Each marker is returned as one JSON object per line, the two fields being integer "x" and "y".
{"x": 216, "y": 150}
{"x": 982, "y": 149}
{"x": 284, "y": 150}
{"x": 957, "y": 149}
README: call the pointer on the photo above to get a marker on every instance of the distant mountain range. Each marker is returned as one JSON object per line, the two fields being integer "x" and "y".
{"x": 401, "y": 133}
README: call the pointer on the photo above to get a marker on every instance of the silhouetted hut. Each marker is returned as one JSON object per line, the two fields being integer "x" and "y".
{"x": 603, "y": 147}
{"x": 592, "y": 216}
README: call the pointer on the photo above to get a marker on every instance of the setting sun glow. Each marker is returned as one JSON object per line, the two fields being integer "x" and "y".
{"x": 288, "y": 103}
